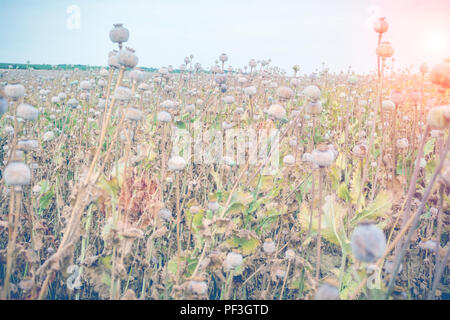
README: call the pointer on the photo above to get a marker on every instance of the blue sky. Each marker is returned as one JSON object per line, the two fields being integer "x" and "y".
{"x": 289, "y": 32}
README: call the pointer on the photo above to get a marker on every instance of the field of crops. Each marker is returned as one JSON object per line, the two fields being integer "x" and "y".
{"x": 231, "y": 183}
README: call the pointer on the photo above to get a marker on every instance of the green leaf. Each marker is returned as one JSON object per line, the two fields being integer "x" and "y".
{"x": 343, "y": 192}
{"x": 377, "y": 208}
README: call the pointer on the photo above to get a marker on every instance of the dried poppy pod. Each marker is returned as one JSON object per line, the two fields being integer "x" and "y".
{"x": 276, "y": 111}
{"x": 220, "y": 78}
{"x": 397, "y": 97}
{"x": 388, "y": 105}
{"x": 329, "y": 290}
{"x": 176, "y": 163}
{"x": 48, "y": 136}
{"x": 424, "y": 68}
{"x": 402, "y": 143}
{"x": 133, "y": 114}
{"x": 228, "y": 100}
{"x": 352, "y": 80}
{"x": 165, "y": 214}
{"x": 15, "y": 91}
{"x": 289, "y": 160}
{"x": 127, "y": 58}
{"x": 439, "y": 117}
{"x": 312, "y": 93}
{"x": 198, "y": 287}
{"x": 381, "y": 25}
{"x": 313, "y": 107}
{"x": 285, "y": 93}
{"x": 324, "y": 155}
{"x": 136, "y": 75}
{"x": 223, "y": 57}
{"x": 250, "y": 91}
{"x": 385, "y": 50}
{"x": 27, "y": 145}
{"x": 27, "y": 112}
{"x": 17, "y": 174}
{"x": 113, "y": 59}
{"x": 233, "y": 260}
{"x": 252, "y": 63}
{"x": 360, "y": 150}
{"x": 73, "y": 103}
{"x": 269, "y": 246}
{"x": 368, "y": 242}
{"x": 163, "y": 116}
{"x": 440, "y": 74}
{"x": 119, "y": 34}
{"x": 144, "y": 87}
{"x": 103, "y": 72}
{"x": 123, "y": 94}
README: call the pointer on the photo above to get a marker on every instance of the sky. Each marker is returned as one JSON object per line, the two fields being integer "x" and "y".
{"x": 307, "y": 33}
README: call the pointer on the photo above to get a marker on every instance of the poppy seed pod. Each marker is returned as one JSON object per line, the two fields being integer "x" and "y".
{"x": 213, "y": 206}
{"x": 424, "y": 68}
{"x": 388, "y": 105}
{"x": 198, "y": 287}
{"x": 133, "y": 114}
{"x": 440, "y": 74}
{"x": 164, "y": 116}
{"x": 313, "y": 107}
{"x": 397, "y": 97}
{"x": 189, "y": 108}
{"x": 119, "y": 34}
{"x": 402, "y": 143}
{"x": 48, "y": 136}
{"x": 368, "y": 242}
{"x": 385, "y": 50}
{"x": 252, "y": 63}
{"x": 289, "y": 160}
{"x": 17, "y": 174}
{"x": 113, "y": 59}
{"x": 14, "y": 91}
{"x": 352, "y": 80}
{"x": 233, "y": 260}
{"x": 269, "y": 246}
{"x": 137, "y": 75}
{"x": 277, "y": 111}
{"x": 323, "y": 156}
{"x": 289, "y": 254}
{"x": 27, "y": 112}
{"x": 3, "y": 106}
{"x": 250, "y": 91}
{"x": 176, "y": 163}
{"x": 381, "y": 25}
{"x": 328, "y": 291}
{"x": 228, "y": 100}
{"x": 85, "y": 85}
{"x": 27, "y": 145}
{"x": 165, "y": 214}
{"x": 143, "y": 86}
{"x": 220, "y": 78}
{"x": 312, "y": 93}
{"x": 103, "y": 72}
{"x": 122, "y": 94}
{"x": 439, "y": 117}
{"x": 55, "y": 100}
{"x": 285, "y": 93}
{"x": 360, "y": 150}
{"x": 223, "y": 57}
{"x": 127, "y": 58}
